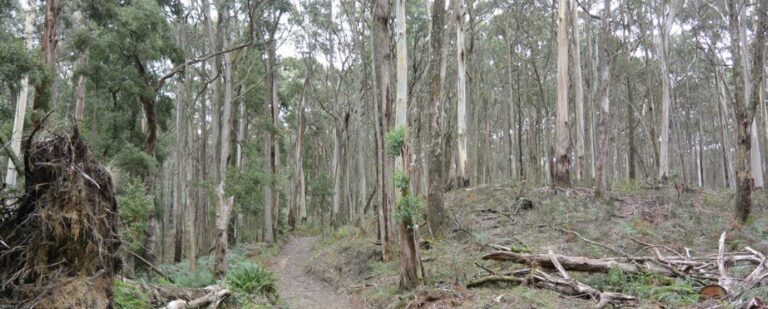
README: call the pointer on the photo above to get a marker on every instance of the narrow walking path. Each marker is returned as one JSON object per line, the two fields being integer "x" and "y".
{"x": 298, "y": 290}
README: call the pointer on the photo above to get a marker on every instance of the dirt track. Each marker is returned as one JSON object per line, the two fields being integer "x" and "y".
{"x": 297, "y": 289}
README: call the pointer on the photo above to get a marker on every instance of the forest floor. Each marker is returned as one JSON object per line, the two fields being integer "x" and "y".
{"x": 297, "y": 289}
{"x": 489, "y": 215}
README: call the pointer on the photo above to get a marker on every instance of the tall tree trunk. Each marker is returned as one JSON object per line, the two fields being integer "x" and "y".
{"x": 82, "y": 61}
{"x": 562, "y": 168}
{"x": 662, "y": 42}
{"x": 223, "y": 206}
{"x": 578, "y": 93}
{"x": 190, "y": 214}
{"x": 382, "y": 59}
{"x": 462, "y": 179}
{"x": 509, "y": 104}
{"x": 605, "y": 96}
{"x": 179, "y": 153}
{"x": 298, "y": 210}
{"x": 436, "y": 216}
{"x": 21, "y": 102}
{"x": 725, "y": 142}
{"x": 751, "y": 91}
{"x": 742, "y": 112}
{"x": 632, "y": 148}
{"x": 409, "y": 262}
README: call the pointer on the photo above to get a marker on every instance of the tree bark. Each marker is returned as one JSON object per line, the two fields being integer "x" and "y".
{"x": 578, "y": 94}
{"x": 298, "y": 210}
{"x": 409, "y": 278}
{"x": 436, "y": 216}
{"x": 743, "y": 141}
{"x": 223, "y": 204}
{"x": 562, "y": 168}
{"x": 462, "y": 179}
{"x": 382, "y": 60}
{"x": 662, "y": 41}
{"x": 605, "y": 96}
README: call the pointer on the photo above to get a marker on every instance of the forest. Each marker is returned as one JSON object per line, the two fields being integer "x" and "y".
{"x": 383, "y": 154}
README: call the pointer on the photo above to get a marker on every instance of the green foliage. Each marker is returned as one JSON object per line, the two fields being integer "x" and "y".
{"x": 401, "y": 180}
{"x": 135, "y": 161}
{"x": 395, "y": 141}
{"x": 648, "y": 286}
{"x": 408, "y": 209}
{"x": 199, "y": 278}
{"x": 254, "y": 279}
{"x": 246, "y": 185}
{"x": 127, "y": 296}
{"x": 135, "y": 208}
{"x": 16, "y": 60}
{"x": 408, "y": 206}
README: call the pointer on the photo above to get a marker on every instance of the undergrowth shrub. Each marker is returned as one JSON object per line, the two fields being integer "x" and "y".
{"x": 127, "y": 296}
{"x": 253, "y": 279}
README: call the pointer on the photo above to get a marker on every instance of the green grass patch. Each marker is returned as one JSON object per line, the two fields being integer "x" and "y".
{"x": 127, "y": 296}
{"x": 252, "y": 279}
{"x": 675, "y": 292}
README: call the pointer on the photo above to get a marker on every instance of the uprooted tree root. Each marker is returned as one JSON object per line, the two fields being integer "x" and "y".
{"x": 60, "y": 244}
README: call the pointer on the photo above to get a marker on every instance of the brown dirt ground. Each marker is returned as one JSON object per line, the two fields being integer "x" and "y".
{"x": 297, "y": 289}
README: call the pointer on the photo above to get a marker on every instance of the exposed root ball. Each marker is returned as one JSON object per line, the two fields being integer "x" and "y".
{"x": 62, "y": 240}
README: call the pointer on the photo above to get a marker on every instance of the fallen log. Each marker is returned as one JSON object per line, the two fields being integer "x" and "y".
{"x": 577, "y": 263}
{"x": 542, "y": 280}
{"x": 212, "y": 300}
{"x": 169, "y": 297}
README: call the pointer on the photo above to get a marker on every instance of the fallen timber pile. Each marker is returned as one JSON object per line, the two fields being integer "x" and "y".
{"x": 711, "y": 271}
{"x": 170, "y": 297}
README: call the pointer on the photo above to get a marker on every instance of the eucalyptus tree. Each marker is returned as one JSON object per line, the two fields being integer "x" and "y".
{"x": 745, "y": 111}
{"x": 382, "y": 59}
{"x": 461, "y": 95}
{"x": 436, "y": 214}
{"x": 562, "y": 169}
{"x": 661, "y": 42}
{"x": 606, "y": 61}
{"x": 578, "y": 85}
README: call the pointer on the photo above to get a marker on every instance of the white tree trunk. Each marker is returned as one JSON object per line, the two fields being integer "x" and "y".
{"x": 461, "y": 93}
{"x": 223, "y": 207}
{"x": 662, "y": 41}
{"x": 755, "y": 156}
{"x": 21, "y": 103}
{"x": 563, "y": 139}
{"x": 579, "y": 93}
